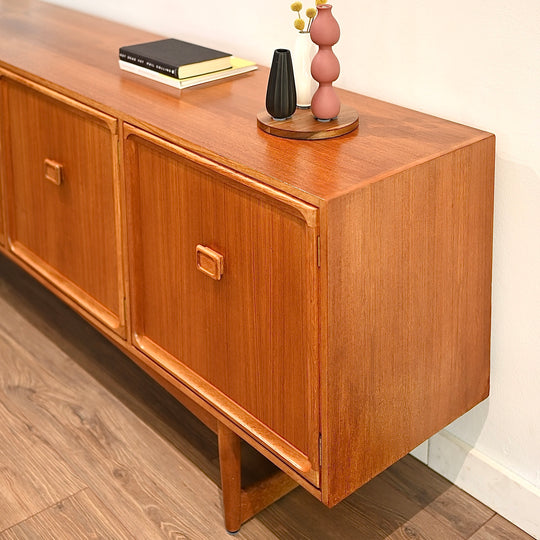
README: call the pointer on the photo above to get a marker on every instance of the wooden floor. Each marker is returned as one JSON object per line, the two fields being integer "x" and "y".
{"x": 90, "y": 447}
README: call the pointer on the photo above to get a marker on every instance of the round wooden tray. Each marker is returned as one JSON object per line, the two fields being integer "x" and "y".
{"x": 302, "y": 125}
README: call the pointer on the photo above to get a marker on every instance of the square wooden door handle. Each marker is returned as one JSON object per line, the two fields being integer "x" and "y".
{"x": 209, "y": 262}
{"x": 53, "y": 171}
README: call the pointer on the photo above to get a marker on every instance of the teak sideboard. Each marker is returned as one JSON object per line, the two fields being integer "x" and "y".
{"x": 326, "y": 301}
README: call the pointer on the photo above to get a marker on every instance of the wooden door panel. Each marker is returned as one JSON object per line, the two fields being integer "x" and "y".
{"x": 62, "y": 185}
{"x": 253, "y": 333}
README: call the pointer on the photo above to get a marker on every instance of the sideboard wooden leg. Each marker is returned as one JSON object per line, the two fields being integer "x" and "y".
{"x": 231, "y": 477}
{"x": 239, "y": 504}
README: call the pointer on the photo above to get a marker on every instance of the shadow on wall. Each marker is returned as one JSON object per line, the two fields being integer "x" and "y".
{"x": 515, "y": 337}
{"x": 507, "y": 415}
{"x": 448, "y": 452}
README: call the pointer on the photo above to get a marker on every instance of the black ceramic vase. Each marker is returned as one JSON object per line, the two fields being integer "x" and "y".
{"x": 281, "y": 91}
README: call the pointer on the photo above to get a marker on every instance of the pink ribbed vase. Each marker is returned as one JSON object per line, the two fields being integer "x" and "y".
{"x": 325, "y": 33}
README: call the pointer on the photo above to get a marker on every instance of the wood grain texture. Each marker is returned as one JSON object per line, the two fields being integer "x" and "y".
{"x": 380, "y": 348}
{"x": 302, "y": 125}
{"x": 406, "y": 501}
{"x": 241, "y": 501}
{"x": 252, "y": 334}
{"x": 375, "y": 511}
{"x": 231, "y": 477}
{"x": 258, "y": 496}
{"x": 33, "y": 475}
{"x": 389, "y": 138}
{"x": 447, "y": 503}
{"x": 67, "y": 230}
{"x": 409, "y": 312}
{"x": 259, "y": 437}
{"x": 146, "y": 481}
{"x": 498, "y": 528}
{"x": 81, "y": 515}
{"x": 306, "y": 211}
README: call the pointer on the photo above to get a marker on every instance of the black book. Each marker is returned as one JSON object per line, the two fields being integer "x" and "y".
{"x": 175, "y": 58}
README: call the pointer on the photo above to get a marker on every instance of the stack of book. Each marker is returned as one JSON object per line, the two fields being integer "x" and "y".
{"x": 180, "y": 64}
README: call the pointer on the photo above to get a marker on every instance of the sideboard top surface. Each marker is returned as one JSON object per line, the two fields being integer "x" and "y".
{"x": 78, "y": 55}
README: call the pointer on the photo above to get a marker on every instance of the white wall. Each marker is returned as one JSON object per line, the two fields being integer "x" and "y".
{"x": 471, "y": 61}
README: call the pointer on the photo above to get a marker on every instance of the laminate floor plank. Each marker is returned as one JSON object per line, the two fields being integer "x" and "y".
{"x": 32, "y": 473}
{"x": 375, "y": 511}
{"x": 447, "y": 503}
{"x": 113, "y": 371}
{"x": 154, "y": 466}
{"x": 498, "y": 528}
{"x": 81, "y": 515}
{"x": 153, "y": 488}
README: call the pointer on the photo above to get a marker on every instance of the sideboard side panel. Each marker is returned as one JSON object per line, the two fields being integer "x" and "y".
{"x": 409, "y": 293}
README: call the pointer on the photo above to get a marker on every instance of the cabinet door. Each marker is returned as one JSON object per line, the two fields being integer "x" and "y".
{"x": 246, "y": 342}
{"x": 62, "y": 196}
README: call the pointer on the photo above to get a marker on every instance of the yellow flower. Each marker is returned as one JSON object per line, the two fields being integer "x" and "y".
{"x": 296, "y": 6}
{"x": 319, "y": 2}
{"x": 299, "y": 24}
{"x": 310, "y": 13}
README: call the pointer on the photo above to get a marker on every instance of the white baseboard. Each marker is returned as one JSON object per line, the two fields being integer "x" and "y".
{"x": 421, "y": 452}
{"x": 494, "y": 485}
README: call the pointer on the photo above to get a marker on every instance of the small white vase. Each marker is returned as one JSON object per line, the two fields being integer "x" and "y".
{"x": 303, "y": 53}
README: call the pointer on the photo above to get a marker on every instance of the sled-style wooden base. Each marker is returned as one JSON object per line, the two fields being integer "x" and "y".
{"x": 241, "y": 504}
